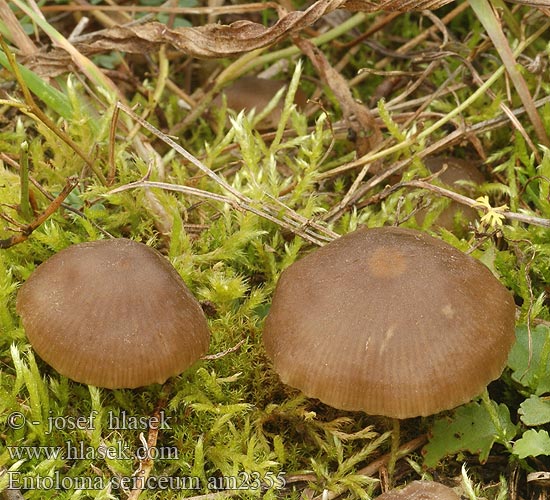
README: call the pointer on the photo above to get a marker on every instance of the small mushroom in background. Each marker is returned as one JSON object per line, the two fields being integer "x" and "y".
{"x": 392, "y": 322}
{"x": 421, "y": 490}
{"x": 113, "y": 314}
{"x": 456, "y": 171}
{"x": 252, "y": 92}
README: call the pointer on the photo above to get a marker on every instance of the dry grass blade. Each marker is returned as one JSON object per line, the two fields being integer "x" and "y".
{"x": 464, "y": 200}
{"x": 292, "y": 223}
{"x": 36, "y": 112}
{"x": 18, "y": 35}
{"x": 364, "y": 162}
{"x": 394, "y": 5}
{"x": 217, "y": 10}
{"x": 290, "y": 220}
{"x": 487, "y": 17}
{"x": 86, "y": 65}
{"x": 358, "y": 115}
{"x": 445, "y": 143}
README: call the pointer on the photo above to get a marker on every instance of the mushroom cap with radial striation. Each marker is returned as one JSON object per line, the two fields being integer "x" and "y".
{"x": 389, "y": 321}
{"x": 113, "y": 314}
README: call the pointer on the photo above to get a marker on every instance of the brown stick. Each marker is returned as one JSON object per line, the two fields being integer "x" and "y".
{"x": 146, "y": 464}
{"x": 27, "y": 229}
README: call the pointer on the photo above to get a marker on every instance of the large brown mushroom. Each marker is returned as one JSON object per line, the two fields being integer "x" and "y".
{"x": 389, "y": 321}
{"x": 113, "y": 314}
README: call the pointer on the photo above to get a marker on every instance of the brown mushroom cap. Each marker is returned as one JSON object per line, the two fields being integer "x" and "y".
{"x": 113, "y": 314}
{"x": 390, "y": 321}
{"x": 251, "y": 92}
{"x": 421, "y": 490}
{"x": 456, "y": 171}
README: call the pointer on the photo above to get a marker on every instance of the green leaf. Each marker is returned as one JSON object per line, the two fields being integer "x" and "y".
{"x": 535, "y": 411}
{"x": 469, "y": 429}
{"x": 532, "y": 444}
{"x": 52, "y": 97}
{"x": 530, "y": 359}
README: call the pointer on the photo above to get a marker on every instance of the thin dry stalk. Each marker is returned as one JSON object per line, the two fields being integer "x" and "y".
{"x": 403, "y": 49}
{"x": 35, "y": 112}
{"x": 26, "y": 230}
{"x": 146, "y": 464}
{"x": 507, "y": 111}
{"x": 453, "y": 138}
{"x": 20, "y": 38}
{"x": 309, "y": 230}
{"x": 464, "y": 200}
{"x": 485, "y": 12}
{"x": 188, "y": 11}
{"x": 293, "y": 224}
{"x": 364, "y": 120}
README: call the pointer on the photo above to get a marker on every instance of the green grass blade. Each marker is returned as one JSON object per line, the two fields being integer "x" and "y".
{"x": 52, "y": 97}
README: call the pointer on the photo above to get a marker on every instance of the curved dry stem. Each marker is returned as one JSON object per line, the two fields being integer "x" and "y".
{"x": 488, "y": 19}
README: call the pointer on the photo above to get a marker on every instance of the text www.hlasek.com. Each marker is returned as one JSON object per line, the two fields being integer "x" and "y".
{"x": 81, "y": 451}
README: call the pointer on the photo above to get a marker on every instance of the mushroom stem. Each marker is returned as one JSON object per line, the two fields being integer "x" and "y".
{"x": 394, "y": 451}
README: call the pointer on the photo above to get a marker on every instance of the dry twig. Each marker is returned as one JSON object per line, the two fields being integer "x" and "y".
{"x": 27, "y": 229}
{"x": 146, "y": 464}
{"x": 309, "y": 230}
{"x": 464, "y": 200}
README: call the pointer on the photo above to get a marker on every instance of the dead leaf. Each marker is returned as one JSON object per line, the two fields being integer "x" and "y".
{"x": 394, "y": 5}
{"x": 211, "y": 40}
{"x": 359, "y": 117}
{"x": 217, "y": 40}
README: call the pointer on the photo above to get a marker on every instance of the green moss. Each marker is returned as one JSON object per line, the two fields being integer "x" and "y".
{"x": 231, "y": 422}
